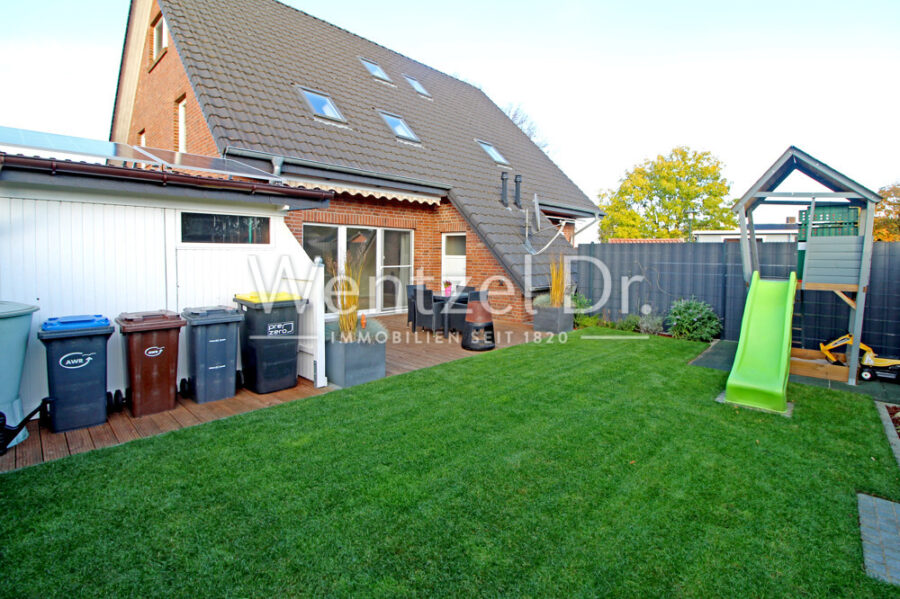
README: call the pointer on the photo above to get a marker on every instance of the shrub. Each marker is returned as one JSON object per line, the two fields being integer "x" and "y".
{"x": 629, "y": 323}
{"x": 694, "y": 320}
{"x": 583, "y": 321}
{"x": 541, "y": 301}
{"x": 651, "y": 324}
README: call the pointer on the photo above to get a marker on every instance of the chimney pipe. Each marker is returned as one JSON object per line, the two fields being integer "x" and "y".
{"x": 504, "y": 187}
{"x": 518, "y": 197}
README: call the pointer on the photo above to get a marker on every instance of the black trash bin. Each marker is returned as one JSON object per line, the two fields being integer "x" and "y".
{"x": 269, "y": 340}
{"x": 76, "y": 370}
{"x": 212, "y": 345}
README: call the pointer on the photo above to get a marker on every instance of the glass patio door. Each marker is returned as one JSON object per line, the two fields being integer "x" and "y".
{"x": 396, "y": 268}
{"x": 362, "y": 254}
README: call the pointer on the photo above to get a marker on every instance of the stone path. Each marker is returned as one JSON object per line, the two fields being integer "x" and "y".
{"x": 879, "y": 523}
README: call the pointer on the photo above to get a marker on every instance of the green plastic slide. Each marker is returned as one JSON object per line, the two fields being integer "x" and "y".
{"x": 760, "y": 372}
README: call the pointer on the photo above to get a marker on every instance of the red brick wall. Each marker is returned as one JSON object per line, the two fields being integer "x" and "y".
{"x": 428, "y": 224}
{"x": 161, "y": 84}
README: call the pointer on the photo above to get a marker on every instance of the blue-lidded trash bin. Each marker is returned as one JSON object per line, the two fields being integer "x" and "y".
{"x": 15, "y": 325}
{"x": 212, "y": 344}
{"x": 76, "y": 370}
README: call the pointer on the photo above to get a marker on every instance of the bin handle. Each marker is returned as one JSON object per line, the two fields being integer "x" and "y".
{"x": 8, "y": 433}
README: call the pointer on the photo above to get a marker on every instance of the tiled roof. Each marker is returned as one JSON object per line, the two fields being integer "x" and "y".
{"x": 246, "y": 58}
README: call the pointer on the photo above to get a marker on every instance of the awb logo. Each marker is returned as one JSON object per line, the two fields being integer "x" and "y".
{"x": 76, "y": 359}
{"x": 153, "y": 352}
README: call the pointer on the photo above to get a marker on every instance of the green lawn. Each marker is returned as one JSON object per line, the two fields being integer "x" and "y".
{"x": 584, "y": 469}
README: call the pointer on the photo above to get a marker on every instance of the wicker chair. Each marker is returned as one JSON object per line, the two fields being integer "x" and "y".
{"x": 411, "y": 303}
{"x": 425, "y": 315}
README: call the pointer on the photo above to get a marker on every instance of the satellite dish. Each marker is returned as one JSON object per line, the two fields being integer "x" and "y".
{"x": 537, "y": 213}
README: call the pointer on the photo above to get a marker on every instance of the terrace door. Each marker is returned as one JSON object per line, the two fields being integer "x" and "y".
{"x": 396, "y": 268}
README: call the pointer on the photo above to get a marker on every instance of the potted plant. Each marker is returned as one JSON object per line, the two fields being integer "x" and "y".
{"x": 354, "y": 347}
{"x": 448, "y": 288}
{"x": 555, "y": 316}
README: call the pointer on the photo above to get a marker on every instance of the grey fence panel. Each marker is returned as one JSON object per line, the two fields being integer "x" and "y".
{"x": 713, "y": 273}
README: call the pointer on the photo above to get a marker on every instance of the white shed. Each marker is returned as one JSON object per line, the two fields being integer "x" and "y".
{"x": 78, "y": 238}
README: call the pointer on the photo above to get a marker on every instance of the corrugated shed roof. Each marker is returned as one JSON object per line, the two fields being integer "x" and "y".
{"x": 627, "y": 240}
{"x": 246, "y": 59}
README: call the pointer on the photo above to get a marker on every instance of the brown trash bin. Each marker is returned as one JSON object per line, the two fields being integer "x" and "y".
{"x": 151, "y": 349}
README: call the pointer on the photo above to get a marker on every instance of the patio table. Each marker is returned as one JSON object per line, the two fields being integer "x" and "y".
{"x": 446, "y": 304}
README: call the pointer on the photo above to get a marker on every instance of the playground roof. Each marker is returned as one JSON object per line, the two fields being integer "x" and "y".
{"x": 795, "y": 159}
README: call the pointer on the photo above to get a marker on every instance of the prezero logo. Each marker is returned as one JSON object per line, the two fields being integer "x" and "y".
{"x": 154, "y": 351}
{"x": 276, "y": 329}
{"x": 76, "y": 359}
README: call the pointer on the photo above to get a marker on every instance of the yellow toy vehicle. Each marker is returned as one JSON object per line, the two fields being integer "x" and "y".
{"x": 872, "y": 366}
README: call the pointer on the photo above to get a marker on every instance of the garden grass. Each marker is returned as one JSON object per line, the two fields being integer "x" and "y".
{"x": 589, "y": 468}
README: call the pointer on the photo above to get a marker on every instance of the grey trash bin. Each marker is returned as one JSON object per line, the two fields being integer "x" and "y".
{"x": 212, "y": 345}
{"x": 15, "y": 324}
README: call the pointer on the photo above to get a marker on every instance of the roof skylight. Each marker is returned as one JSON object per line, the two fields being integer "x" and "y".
{"x": 322, "y": 105}
{"x": 495, "y": 155}
{"x": 417, "y": 86}
{"x": 375, "y": 70}
{"x": 399, "y": 126}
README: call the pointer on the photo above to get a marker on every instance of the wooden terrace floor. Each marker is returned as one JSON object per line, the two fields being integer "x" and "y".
{"x": 406, "y": 351}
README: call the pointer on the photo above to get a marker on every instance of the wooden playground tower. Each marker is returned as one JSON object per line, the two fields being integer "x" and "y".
{"x": 833, "y": 263}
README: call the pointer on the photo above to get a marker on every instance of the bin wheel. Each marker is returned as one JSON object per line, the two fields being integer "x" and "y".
{"x": 239, "y": 379}
{"x": 118, "y": 401}
{"x": 866, "y": 374}
{"x": 128, "y": 396}
{"x": 110, "y": 402}
{"x": 44, "y": 418}
{"x": 184, "y": 388}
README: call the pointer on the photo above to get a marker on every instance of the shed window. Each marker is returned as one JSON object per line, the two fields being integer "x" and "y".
{"x": 322, "y": 105}
{"x": 375, "y": 70}
{"x": 417, "y": 86}
{"x": 224, "y": 228}
{"x": 492, "y": 152}
{"x": 160, "y": 37}
{"x": 399, "y": 126}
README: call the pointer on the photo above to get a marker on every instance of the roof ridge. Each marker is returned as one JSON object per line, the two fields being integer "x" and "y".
{"x": 383, "y": 47}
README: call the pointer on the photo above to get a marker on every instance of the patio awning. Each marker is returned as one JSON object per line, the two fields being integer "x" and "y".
{"x": 363, "y": 190}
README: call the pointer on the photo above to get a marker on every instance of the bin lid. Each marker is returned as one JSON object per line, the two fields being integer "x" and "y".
{"x": 133, "y": 322}
{"x": 211, "y": 315}
{"x": 70, "y": 323}
{"x": 12, "y": 309}
{"x": 266, "y": 298}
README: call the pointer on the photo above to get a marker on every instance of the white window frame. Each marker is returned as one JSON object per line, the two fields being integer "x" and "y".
{"x": 484, "y": 145}
{"x": 307, "y": 90}
{"x": 160, "y": 37}
{"x": 422, "y": 92}
{"x": 379, "y": 261}
{"x": 366, "y": 62}
{"x": 389, "y": 115}
{"x": 182, "y": 125}
{"x": 142, "y": 138}
{"x": 444, "y": 237}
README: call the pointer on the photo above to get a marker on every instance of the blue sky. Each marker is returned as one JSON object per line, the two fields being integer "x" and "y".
{"x": 608, "y": 83}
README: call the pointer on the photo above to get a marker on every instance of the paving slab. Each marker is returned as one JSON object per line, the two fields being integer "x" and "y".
{"x": 879, "y": 525}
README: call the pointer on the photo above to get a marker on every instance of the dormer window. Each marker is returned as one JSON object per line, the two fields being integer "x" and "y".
{"x": 322, "y": 105}
{"x": 417, "y": 86}
{"x": 375, "y": 70}
{"x": 495, "y": 154}
{"x": 399, "y": 126}
{"x": 160, "y": 37}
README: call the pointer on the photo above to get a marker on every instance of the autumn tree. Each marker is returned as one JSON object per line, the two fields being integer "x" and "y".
{"x": 887, "y": 217}
{"x": 657, "y": 198}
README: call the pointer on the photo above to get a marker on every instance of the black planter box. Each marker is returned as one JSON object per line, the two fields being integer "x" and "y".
{"x": 553, "y": 320}
{"x": 348, "y": 364}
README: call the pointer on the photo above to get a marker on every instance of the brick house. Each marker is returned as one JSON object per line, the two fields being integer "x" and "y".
{"x": 414, "y": 156}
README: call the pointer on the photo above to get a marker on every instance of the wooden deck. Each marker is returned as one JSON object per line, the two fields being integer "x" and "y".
{"x": 406, "y": 351}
